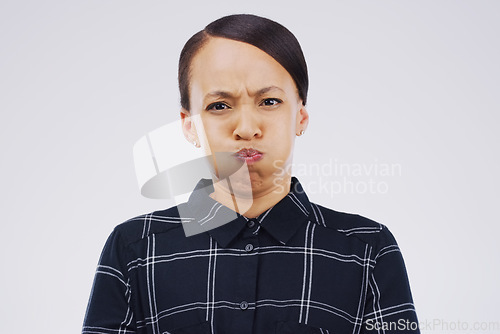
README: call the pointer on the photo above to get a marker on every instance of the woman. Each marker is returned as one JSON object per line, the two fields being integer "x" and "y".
{"x": 248, "y": 253}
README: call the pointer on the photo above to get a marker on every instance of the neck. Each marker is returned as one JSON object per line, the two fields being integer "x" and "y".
{"x": 262, "y": 197}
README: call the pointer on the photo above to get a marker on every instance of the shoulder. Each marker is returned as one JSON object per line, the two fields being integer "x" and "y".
{"x": 140, "y": 227}
{"x": 351, "y": 225}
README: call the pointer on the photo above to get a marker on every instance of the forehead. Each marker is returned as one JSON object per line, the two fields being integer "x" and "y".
{"x": 232, "y": 65}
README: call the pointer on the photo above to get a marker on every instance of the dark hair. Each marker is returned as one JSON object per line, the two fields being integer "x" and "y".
{"x": 267, "y": 35}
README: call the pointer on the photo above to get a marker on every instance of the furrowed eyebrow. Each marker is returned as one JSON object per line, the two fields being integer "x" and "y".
{"x": 267, "y": 90}
{"x": 218, "y": 94}
{"x": 225, "y": 95}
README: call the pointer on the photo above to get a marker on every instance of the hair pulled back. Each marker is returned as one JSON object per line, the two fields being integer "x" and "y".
{"x": 267, "y": 35}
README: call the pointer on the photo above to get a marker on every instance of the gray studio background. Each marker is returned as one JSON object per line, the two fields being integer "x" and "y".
{"x": 408, "y": 84}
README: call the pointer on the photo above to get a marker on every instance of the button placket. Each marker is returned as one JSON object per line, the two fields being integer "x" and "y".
{"x": 246, "y": 282}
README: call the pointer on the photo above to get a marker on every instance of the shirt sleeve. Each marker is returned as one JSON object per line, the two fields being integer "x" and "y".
{"x": 108, "y": 310}
{"x": 389, "y": 304}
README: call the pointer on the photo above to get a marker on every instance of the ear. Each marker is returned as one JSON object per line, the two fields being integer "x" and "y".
{"x": 188, "y": 127}
{"x": 302, "y": 119}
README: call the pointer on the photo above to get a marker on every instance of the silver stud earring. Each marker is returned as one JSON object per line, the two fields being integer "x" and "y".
{"x": 195, "y": 143}
{"x": 301, "y": 132}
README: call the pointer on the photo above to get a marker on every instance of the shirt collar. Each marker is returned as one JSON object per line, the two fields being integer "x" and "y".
{"x": 281, "y": 221}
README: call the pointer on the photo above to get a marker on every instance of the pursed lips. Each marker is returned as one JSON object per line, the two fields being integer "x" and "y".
{"x": 249, "y": 155}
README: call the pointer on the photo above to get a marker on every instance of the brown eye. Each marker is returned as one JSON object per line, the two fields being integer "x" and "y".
{"x": 271, "y": 102}
{"x": 218, "y": 106}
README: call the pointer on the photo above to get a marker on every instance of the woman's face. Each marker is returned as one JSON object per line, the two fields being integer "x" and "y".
{"x": 249, "y": 107}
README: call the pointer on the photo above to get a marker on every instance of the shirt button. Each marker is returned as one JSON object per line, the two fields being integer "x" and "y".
{"x": 243, "y": 305}
{"x": 250, "y": 224}
{"x": 249, "y": 247}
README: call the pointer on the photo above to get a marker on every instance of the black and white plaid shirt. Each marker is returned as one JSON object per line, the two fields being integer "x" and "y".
{"x": 297, "y": 268}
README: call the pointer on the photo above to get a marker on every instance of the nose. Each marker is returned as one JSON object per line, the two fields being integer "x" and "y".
{"x": 248, "y": 125}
